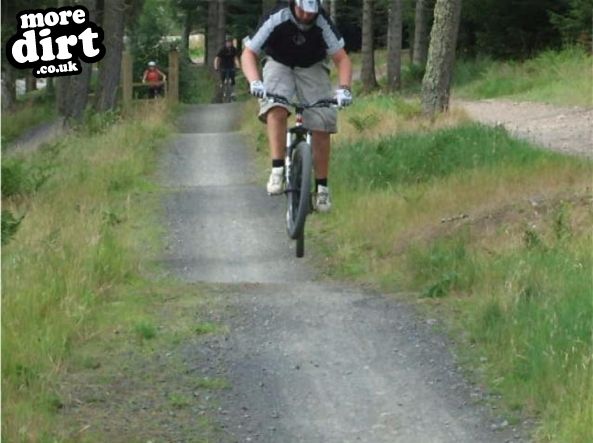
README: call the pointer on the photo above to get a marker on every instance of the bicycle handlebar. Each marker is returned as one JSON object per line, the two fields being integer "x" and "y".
{"x": 323, "y": 103}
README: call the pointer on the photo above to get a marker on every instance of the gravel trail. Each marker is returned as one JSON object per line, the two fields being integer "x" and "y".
{"x": 564, "y": 129}
{"x": 308, "y": 360}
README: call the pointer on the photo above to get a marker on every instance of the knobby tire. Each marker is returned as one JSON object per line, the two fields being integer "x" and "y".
{"x": 299, "y": 196}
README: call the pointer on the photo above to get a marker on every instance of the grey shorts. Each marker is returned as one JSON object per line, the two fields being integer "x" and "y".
{"x": 306, "y": 85}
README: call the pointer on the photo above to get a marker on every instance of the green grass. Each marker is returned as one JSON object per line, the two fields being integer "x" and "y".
{"x": 207, "y": 328}
{"x": 145, "y": 330}
{"x": 179, "y": 401}
{"x": 77, "y": 249}
{"x": 84, "y": 307}
{"x": 561, "y": 77}
{"x": 196, "y": 53}
{"x": 558, "y": 77}
{"x": 528, "y": 307}
{"x": 213, "y": 384}
{"x": 495, "y": 234}
{"x": 419, "y": 158}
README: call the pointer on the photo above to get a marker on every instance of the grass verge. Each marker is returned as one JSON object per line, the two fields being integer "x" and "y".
{"x": 82, "y": 314}
{"x": 493, "y": 234}
{"x": 558, "y": 77}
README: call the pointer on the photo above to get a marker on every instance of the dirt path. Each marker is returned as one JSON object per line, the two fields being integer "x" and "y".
{"x": 563, "y": 129}
{"x": 307, "y": 360}
{"x": 36, "y": 136}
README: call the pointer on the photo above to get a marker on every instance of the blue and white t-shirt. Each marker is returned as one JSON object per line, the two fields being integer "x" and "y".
{"x": 291, "y": 43}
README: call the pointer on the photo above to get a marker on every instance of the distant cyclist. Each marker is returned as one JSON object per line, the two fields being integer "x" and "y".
{"x": 226, "y": 61}
{"x": 155, "y": 79}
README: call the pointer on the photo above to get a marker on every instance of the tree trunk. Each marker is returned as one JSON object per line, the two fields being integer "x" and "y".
{"x": 212, "y": 34}
{"x": 80, "y": 86}
{"x": 187, "y": 26}
{"x": 367, "y": 73}
{"x": 221, "y": 24}
{"x": 72, "y": 91}
{"x": 333, "y": 5}
{"x": 30, "y": 83}
{"x": 394, "y": 46}
{"x": 110, "y": 67}
{"x": 49, "y": 87}
{"x": 421, "y": 26}
{"x": 8, "y": 87}
{"x": 441, "y": 57}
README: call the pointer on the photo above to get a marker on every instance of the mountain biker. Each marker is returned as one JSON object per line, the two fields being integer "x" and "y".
{"x": 155, "y": 78}
{"x": 297, "y": 39}
{"x": 226, "y": 61}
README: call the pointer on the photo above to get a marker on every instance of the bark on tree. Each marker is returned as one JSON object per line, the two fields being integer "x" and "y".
{"x": 30, "y": 83}
{"x": 394, "y": 46}
{"x": 187, "y": 27}
{"x": 110, "y": 67}
{"x": 49, "y": 87}
{"x": 221, "y": 24}
{"x": 212, "y": 34}
{"x": 333, "y": 9}
{"x": 367, "y": 73}
{"x": 72, "y": 91}
{"x": 8, "y": 87}
{"x": 421, "y": 26}
{"x": 441, "y": 57}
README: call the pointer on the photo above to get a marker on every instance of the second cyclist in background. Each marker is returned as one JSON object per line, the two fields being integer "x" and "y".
{"x": 227, "y": 61}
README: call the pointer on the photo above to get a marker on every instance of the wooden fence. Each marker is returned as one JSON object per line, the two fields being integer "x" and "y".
{"x": 128, "y": 84}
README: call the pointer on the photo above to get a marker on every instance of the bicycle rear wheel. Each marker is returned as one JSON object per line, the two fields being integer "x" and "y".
{"x": 298, "y": 192}
{"x": 226, "y": 96}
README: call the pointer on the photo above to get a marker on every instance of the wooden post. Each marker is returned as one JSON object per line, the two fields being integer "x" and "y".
{"x": 126, "y": 78}
{"x": 173, "y": 79}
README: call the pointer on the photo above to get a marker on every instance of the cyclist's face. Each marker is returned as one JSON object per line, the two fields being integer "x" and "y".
{"x": 302, "y": 16}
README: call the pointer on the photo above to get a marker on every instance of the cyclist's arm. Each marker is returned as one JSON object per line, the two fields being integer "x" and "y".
{"x": 249, "y": 65}
{"x": 163, "y": 76}
{"x": 216, "y": 62}
{"x": 344, "y": 67}
{"x": 237, "y": 63}
{"x": 144, "y": 76}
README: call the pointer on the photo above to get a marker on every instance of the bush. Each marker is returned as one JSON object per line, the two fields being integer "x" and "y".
{"x": 196, "y": 84}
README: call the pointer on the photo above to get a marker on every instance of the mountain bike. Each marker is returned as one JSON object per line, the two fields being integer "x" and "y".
{"x": 297, "y": 170}
{"x": 226, "y": 89}
{"x": 156, "y": 90}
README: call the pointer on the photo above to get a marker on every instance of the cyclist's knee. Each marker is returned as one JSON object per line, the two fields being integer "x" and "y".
{"x": 277, "y": 113}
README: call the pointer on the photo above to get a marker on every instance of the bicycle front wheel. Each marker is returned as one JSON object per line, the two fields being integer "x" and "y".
{"x": 299, "y": 190}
